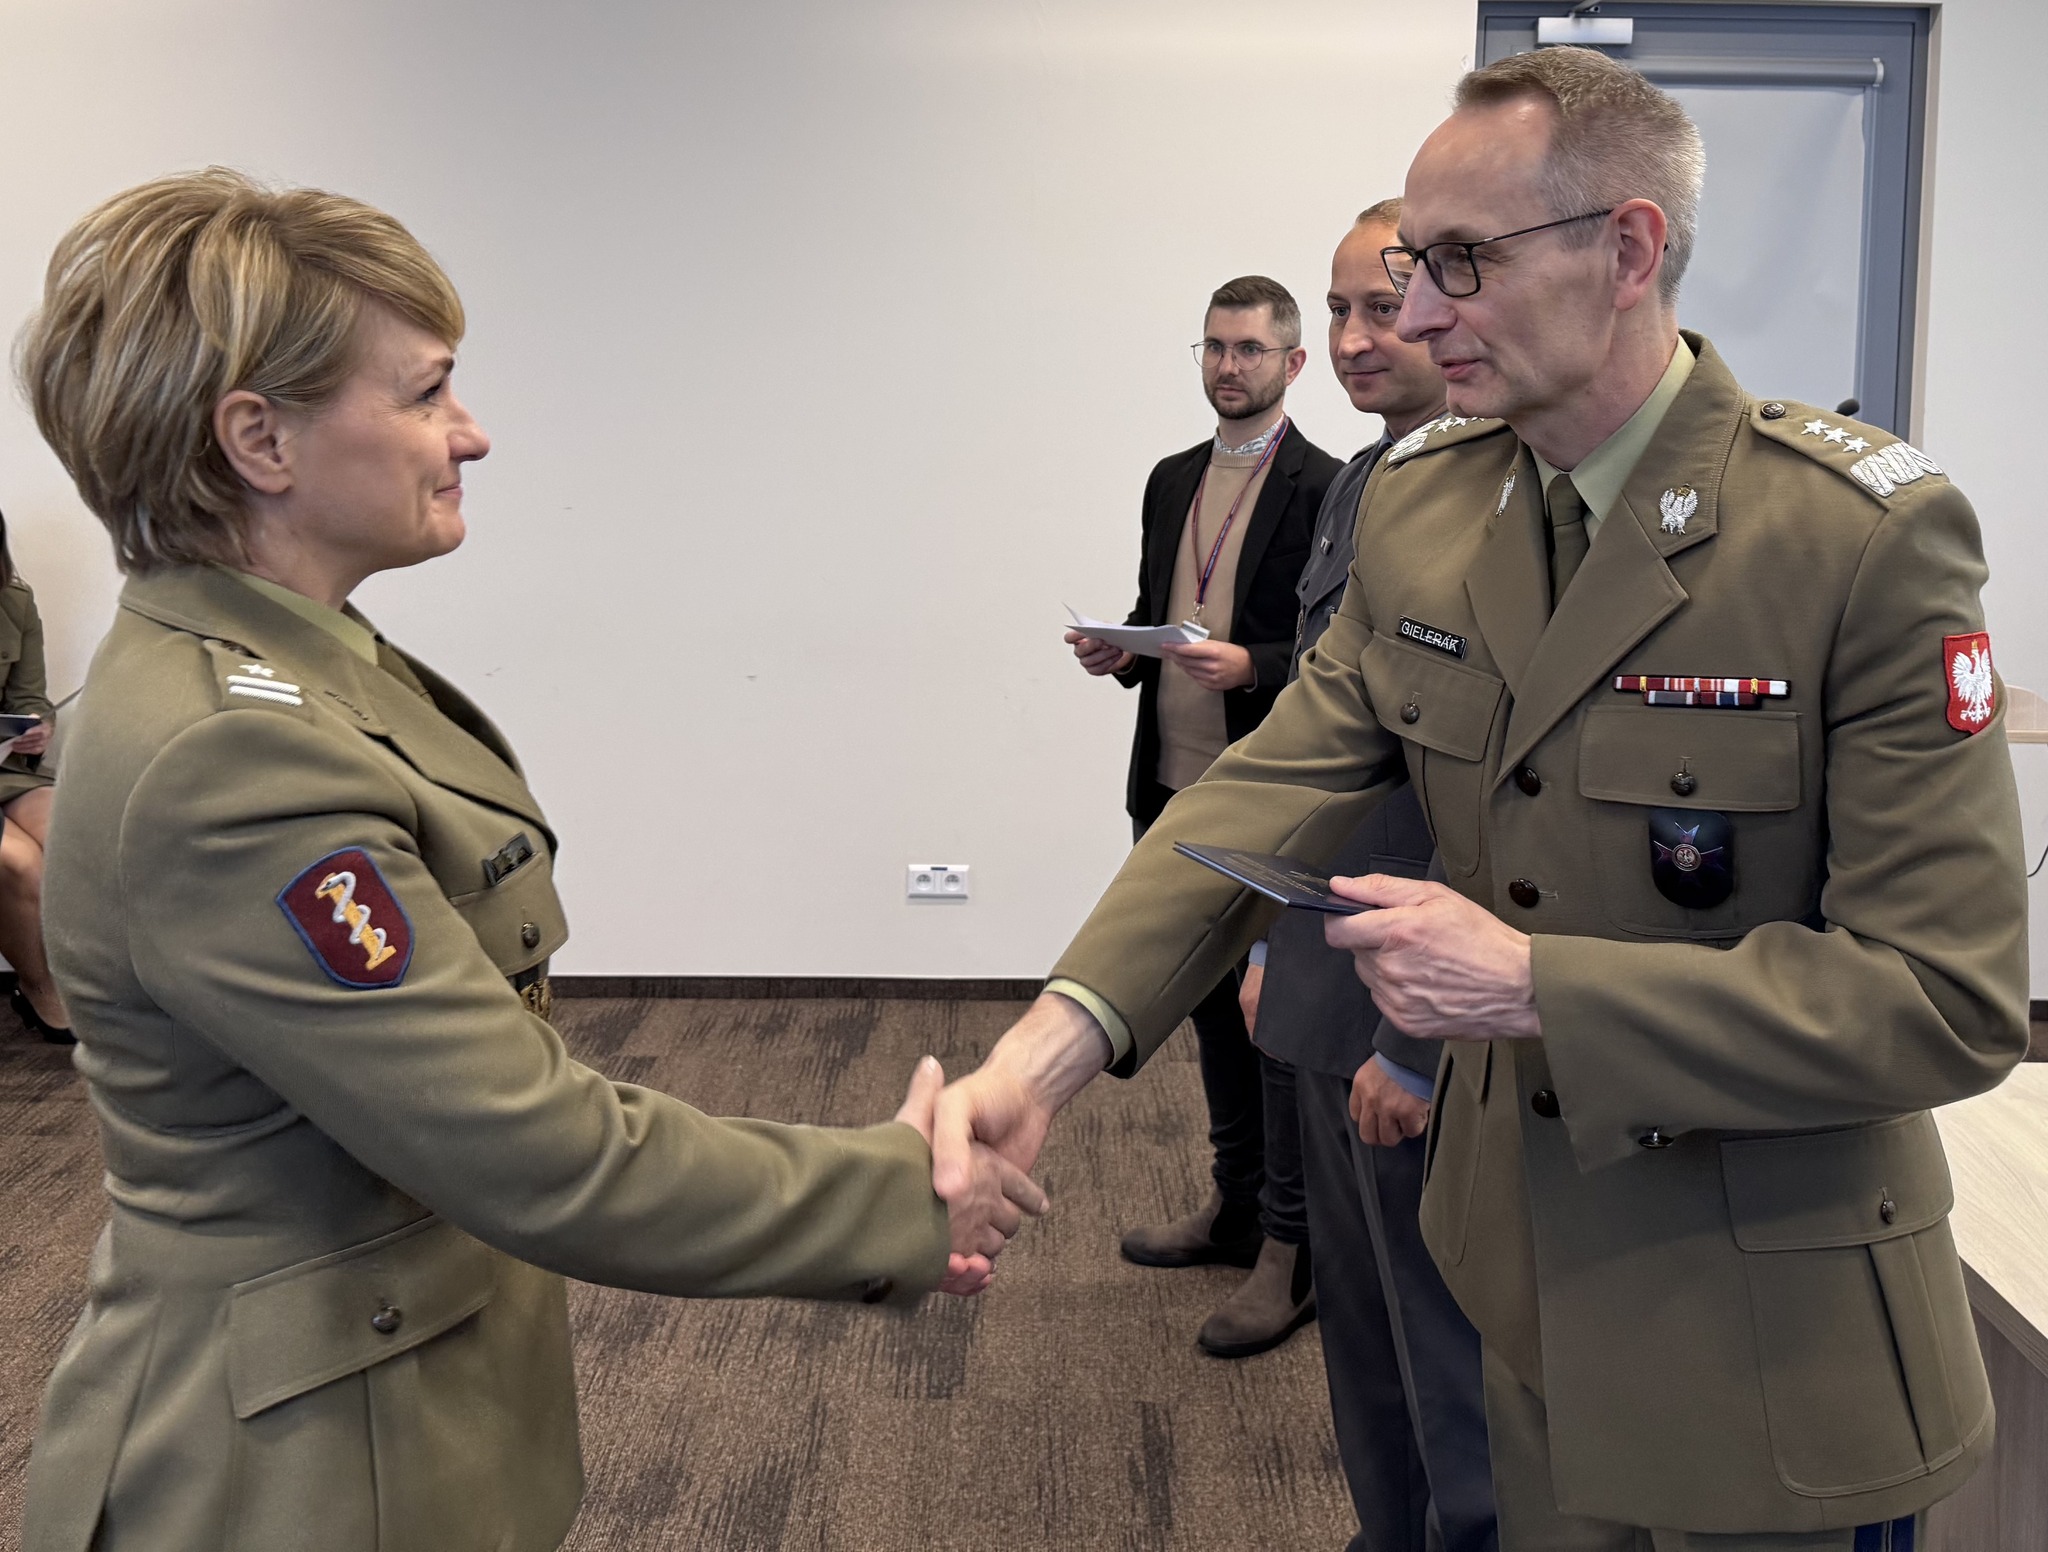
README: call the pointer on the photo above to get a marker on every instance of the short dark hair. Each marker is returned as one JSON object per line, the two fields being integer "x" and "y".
{"x": 1258, "y": 291}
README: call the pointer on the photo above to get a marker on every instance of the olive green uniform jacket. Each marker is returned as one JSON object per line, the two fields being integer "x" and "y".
{"x": 24, "y": 686}
{"x": 327, "y": 1314}
{"x": 1705, "y": 1215}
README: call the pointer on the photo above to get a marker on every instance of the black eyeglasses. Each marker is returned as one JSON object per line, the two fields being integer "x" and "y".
{"x": 1451, "y": 264}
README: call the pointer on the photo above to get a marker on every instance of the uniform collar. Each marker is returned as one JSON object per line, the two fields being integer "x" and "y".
{"x": 1601, "y": 474}
{"x": 445, "y": 737}
{"x": 350, "y": 630}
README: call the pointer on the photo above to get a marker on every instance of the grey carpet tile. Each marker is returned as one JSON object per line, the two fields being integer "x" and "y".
{"x": 1066, "y": 1408}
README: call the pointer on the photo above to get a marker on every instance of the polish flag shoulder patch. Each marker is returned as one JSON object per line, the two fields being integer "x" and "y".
{"x": 347, "y": 915}
{"x": 1972, "y": 690}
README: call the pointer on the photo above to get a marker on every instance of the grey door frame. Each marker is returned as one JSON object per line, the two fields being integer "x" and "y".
{"x": 1885, "y": 49}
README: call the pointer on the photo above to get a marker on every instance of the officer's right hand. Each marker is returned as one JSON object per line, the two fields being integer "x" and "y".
{"x": 986, "y": 1201}
{"x": 1099, "y": 657}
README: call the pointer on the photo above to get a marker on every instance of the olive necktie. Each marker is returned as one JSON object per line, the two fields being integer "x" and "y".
{"x": 1567, "y": 535}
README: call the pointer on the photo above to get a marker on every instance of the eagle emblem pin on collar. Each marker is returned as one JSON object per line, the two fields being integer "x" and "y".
{"x": 1507, "y": 489}
{"x": 1678, "y": 505}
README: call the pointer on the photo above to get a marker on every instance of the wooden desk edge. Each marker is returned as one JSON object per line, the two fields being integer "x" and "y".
{"x": 2007, "y": 1321}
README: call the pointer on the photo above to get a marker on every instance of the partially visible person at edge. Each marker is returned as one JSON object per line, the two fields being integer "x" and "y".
{"x": 1224, "y": 532}
{"x": 1696, "y": 690}
{"x": 301, "y": 903}
{"x": 25, "y": 806}
{"x": 1402, "y": 1359}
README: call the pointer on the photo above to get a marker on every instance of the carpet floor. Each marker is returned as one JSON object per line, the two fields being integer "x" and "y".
{"x": 1066, "y": 1408}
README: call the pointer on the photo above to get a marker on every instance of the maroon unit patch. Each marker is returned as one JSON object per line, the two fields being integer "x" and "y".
{"x": 1972, "y": 691}
{"x": 350, "y": 919}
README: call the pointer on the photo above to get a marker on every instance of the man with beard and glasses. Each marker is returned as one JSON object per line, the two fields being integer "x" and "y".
{"x": 1226, "y": 528}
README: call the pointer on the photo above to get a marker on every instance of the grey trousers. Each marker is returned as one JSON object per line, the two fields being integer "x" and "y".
{"x": 1531, "y": 1522}
{"x": 1402, "y": 1360}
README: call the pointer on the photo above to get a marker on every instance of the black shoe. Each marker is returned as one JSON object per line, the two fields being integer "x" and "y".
{"x": 1211, "y": 1235}
{"x": 25, "y": 1010}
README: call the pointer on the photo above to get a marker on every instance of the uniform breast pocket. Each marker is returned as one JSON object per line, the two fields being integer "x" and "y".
{"x": 1696, "y": 819}
{"x": 1444, "y": 713}
{"x": 519, "y": 919}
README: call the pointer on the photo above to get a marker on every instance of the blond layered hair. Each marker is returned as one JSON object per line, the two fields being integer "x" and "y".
{"x": 182, "y": 290}
{"x": 1614, "y": 137}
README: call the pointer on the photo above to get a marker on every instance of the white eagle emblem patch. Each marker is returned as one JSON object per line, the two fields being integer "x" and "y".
{"x": 1678, "y": 506}
{"x": 1972, "y": 688}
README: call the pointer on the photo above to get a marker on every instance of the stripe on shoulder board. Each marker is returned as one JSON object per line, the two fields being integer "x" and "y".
{"x": 264, "y": 693}
{"x": 263, "y": 684}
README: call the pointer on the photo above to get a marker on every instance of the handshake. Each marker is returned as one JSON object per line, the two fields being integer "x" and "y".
{"x": 987, "y": 1194}
{"x": 985, "y": 1129}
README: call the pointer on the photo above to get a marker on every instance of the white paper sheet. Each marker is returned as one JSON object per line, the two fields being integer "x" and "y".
{"x": 1145, "y": 640}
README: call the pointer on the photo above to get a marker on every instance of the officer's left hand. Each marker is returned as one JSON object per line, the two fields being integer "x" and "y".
{"x": 1214, "y": 665}
{"x": 1440, "y": 967}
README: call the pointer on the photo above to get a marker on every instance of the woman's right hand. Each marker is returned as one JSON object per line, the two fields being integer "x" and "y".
{"x": 34, "y": 741}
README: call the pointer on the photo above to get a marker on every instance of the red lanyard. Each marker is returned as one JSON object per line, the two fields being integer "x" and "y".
{"x": 1195, "y": 517}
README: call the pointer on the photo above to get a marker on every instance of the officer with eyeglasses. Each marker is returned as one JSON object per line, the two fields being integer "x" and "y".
{"x": 1226, "y": 531}
{"x": 1695, "y": 689}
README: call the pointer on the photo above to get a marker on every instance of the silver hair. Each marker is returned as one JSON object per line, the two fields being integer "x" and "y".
{"x": 1614, "y": 137}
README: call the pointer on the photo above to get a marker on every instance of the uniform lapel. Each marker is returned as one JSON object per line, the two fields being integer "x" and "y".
{"x": 436, "y": 743}
{"x": 1509, "y": 579}
{"x": 1624, "y": 589}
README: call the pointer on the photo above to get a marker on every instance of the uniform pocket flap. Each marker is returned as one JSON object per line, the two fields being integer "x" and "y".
{"x": 295, "y": 1330}
{"x": 1737, "y": 761}
{"x": 1430, "y": 699}
{"x": 1856, "y": 1186}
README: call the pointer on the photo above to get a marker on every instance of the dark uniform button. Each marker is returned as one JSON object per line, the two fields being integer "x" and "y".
{"x": 1524, "y": 893}
{"x": 876, "y": 1289}
{"x": 1527, "y": 779}
{"x": 1774, "y": 411}
{"x": 1887, "y": 1209}
{"x": 1412, "y": 712}
{"x": 1654, "y": 1138}
{"x": 529, "y": 934}
{"x": 388, "y": 1319}
{"x": 1544, "y": 1103}
{"x": 1684, "y": 783}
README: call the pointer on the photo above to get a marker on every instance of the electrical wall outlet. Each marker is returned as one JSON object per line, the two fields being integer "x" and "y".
{"x": 936, "y": 881}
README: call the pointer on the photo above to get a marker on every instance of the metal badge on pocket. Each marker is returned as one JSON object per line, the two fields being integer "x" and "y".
{"x": 1692, "y": 856}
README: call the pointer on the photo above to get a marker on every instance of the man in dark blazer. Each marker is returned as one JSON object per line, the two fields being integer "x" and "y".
{"x": 1402, "y": 1359}
{"x": 1226, "y": 530}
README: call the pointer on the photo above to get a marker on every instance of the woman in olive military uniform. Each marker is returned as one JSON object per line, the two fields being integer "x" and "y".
{"x": 301, "y": 904}
{"x": 25, "y": 807}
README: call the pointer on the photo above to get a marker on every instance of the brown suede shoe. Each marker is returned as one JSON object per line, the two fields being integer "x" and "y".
{"x": 1266, "y": 1309}
{"x": 1192, "y": 1241}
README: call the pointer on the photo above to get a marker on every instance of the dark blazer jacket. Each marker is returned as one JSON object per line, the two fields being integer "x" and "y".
{"x": 1263, "y": 607}
{"x": 1314, "y": 1011}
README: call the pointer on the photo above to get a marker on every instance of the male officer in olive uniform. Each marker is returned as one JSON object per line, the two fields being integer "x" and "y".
{"x": 1722, "y": 795}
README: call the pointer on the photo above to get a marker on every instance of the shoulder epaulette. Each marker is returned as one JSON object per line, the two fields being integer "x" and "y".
{"x": 1871, "y": 456}
{"x": 246, "y": 680}
{"x": 1445, "y": 431}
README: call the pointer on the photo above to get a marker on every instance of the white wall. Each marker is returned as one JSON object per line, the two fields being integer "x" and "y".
{"x": 826, "y": 348}
{"x": 1986, "y": 335}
